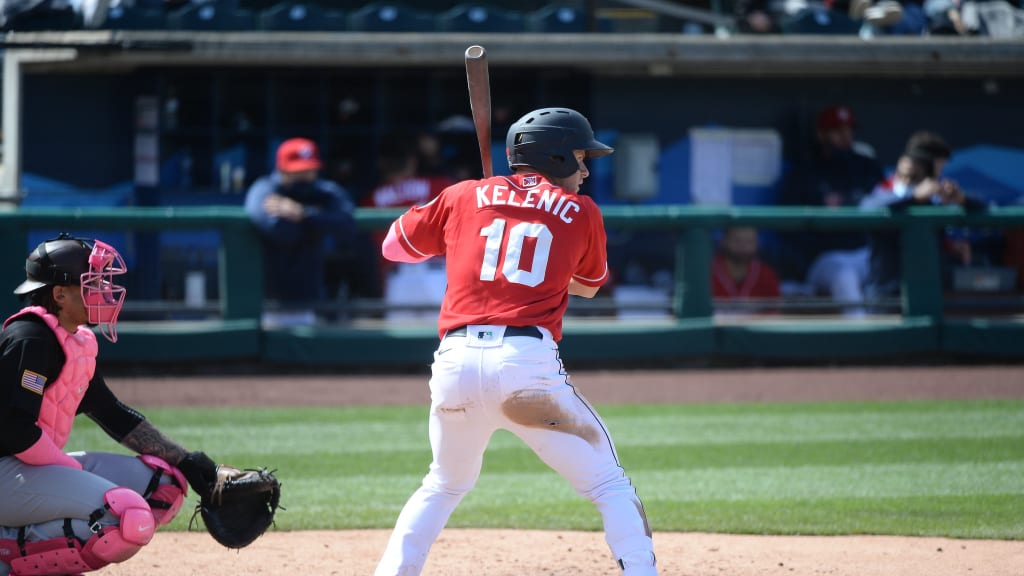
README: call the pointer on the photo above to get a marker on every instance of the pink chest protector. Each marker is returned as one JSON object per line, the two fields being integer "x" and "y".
{"x": 62, "y": 397}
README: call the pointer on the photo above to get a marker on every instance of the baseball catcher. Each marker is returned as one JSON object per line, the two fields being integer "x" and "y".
{"x": 237, "y": 506}
{"x": 74, "y": 512}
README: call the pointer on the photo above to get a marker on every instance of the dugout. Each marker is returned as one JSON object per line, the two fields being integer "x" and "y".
{"x": 162, "y": 113}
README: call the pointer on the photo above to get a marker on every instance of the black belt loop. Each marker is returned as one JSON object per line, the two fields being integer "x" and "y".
{"x": 528, "y": 331}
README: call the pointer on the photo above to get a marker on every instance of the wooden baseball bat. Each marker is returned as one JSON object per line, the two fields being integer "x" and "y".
{"x": 479, "y": 83}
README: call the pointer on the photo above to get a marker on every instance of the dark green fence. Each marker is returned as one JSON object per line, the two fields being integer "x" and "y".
{"x": 922, "y": 330}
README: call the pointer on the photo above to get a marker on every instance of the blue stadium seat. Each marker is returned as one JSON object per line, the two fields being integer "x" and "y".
{"x": 390, "y": 17}
{"x": 557, "y": 18}
{"x": 123, "y": 17}
{"x": 301, "y": 16}
{"x": 479, "y": 17}
{"x": 211, "y": 16}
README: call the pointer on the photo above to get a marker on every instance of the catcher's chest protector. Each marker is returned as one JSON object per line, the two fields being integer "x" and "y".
{"x": 62, "y": 397}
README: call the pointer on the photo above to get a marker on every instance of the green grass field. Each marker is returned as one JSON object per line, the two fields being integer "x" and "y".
{"x": 904, "y": 468}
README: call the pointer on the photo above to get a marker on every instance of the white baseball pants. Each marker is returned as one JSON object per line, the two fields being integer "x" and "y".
{"x": 485, "y": 381}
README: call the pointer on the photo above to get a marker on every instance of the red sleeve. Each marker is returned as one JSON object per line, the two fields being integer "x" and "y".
{"x": 421, "y": 229}
{"x": 768, "y": 283}
{"x": 592, "y": 269}
{"x": 718, "y": 288}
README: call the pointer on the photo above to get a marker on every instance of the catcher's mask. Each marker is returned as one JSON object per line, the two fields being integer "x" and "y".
{"x": 67, "y": 261}
{"x": 545, "y": 139}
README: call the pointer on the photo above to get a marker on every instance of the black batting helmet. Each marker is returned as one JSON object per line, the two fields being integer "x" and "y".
{"x": 545, "y": 139}
{"x": 59, "y": 261}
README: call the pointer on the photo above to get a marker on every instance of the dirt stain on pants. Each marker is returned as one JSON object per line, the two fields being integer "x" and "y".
{"x": 540, "y": 409}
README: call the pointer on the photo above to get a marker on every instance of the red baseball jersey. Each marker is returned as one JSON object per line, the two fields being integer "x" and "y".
{"x": 407, "y": 191}
{"x": 760, "y": 282}
{"x": 511, "y": 244}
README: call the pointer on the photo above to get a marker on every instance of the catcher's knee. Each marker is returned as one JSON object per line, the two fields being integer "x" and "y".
{"x": 107, "y": 545}
{"x": 120, "y": 542}
{"x": 166, "y": 490}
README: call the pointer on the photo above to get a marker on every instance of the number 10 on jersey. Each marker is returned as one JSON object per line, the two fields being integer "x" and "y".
{"x": 513, "y": 248}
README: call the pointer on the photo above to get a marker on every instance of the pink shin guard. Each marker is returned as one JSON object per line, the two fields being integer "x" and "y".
{"x": 165, "y": 499}
{"x": 110, "y": 544}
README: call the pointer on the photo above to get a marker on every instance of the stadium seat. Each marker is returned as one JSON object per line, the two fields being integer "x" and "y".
{"x": 300, "y": 16}
{"x": 557, "y": 18}
{"x": 123, "y": 17}
{"x": 211, "y": 16}
{"x": 390, "y": 17}
{"x": 479, "y": 17}
{"x": 820, "y": 21}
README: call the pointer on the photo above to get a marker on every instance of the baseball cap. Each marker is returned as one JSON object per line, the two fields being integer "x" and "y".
{"x": 60, "y": 261}
{"x": 297, "y": 155}
{"x": 836, "y": 117}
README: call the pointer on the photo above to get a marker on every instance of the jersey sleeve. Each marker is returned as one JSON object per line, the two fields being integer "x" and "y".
{"x": 100, "y": 404}
{"x": 421, "y": 229}
{"x": 592, "y": 269}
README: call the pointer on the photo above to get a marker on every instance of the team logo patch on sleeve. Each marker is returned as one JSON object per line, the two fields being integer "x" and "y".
{"x": 32, "y": 381}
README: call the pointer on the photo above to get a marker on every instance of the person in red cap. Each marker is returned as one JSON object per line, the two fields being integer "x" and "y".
{"x": 841, "y": 172}
{"x": 299, "y": 216}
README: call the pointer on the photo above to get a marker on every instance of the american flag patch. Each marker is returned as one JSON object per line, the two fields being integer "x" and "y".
{"x": 32, "y": 381}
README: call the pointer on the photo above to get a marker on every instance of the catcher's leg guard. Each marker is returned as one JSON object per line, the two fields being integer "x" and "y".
{"x": 164, "y": 497}
{"x": 108, "y": 545}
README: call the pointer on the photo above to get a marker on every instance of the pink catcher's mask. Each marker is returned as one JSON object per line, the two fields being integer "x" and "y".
{"x": 103, "y": 299}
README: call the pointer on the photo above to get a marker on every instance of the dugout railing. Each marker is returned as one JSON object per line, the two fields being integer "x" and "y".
{"x": 922, "y": 328}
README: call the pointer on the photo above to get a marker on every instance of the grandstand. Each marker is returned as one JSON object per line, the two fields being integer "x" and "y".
{"x": 148, "y": 106}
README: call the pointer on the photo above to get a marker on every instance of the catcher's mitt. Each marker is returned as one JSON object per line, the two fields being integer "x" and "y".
{"x": 238, "y": 506}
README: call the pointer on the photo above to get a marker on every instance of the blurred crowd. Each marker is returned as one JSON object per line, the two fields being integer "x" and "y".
{"x": 870, "y": 18}
{"x": 852, "y": 271}
{"x": 852, "y": 268}
{"x": 849, "y": 270}
{"x": 866, "y": 18}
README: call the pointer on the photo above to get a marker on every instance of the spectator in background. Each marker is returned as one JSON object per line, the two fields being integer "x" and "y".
{"x": 945, "y": 18}
{"x": 840, "y": 174}
{"x": 298, "y": 215}
{"x": 917, "y": 181}
{"x": 912, "y": 22}
{"x": 404, "y": 184}
{"x": 737, "y": 272}
{"x": 757, "y": 16}
{"x": 429, "y": 161}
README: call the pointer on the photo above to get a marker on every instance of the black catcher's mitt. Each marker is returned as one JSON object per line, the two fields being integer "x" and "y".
{"x": 237, "y": 506}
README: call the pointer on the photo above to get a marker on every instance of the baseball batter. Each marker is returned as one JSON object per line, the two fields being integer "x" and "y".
{"x": 71, "y": 513}
{"x": 516, "y": 248}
